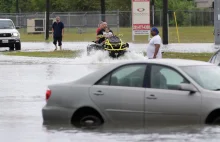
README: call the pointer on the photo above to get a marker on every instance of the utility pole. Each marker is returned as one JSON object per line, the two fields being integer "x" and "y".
{"x": 17, "y": 7}
{"x": 47, "y": 18}
{"x": 17, "y": 13}
{"x": 165, "y": 22}
{"x": 103, "y": 9}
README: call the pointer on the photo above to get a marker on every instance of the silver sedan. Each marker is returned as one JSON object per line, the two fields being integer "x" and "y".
{"x": 144, "y": 93}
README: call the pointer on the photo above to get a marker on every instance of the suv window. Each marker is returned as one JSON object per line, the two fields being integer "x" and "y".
{"x": 129, "y": 75}
{"x": 165, "y": 78}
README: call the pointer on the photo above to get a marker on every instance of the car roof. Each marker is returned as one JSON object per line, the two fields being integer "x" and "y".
{"x": 95, "y": 76}
{"x": 5, "y": 20}
{"x": 177, "y": 62}
{"x": 169, "y": 62}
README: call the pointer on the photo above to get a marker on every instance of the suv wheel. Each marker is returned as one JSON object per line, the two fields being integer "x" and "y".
{"x": 11, "y": 48}
{"x": 18, "y": 46}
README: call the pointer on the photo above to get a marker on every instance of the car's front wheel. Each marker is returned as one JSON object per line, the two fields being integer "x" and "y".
{"x": 18, "y": 46}
{"x": 11, "y": 48}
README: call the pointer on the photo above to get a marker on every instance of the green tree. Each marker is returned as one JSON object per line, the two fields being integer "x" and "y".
{"x": 85, "y": 5}
{"x": 6, "y": 6}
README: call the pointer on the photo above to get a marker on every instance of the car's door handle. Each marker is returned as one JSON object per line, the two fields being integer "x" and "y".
{"x": 151, "y": 97}
{"x": 98, "y": 93}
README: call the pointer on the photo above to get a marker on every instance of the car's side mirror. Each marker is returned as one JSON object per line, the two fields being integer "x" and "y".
{"x": 187, "y": 87}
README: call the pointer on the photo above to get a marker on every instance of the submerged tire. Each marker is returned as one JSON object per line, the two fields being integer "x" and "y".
{"x": 216, "y": 121}
{"x": 88, "y": 121}
{"x": 11, "y": 48}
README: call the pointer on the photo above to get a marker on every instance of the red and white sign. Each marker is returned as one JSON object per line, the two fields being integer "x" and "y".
{"x": 140, "y": 17}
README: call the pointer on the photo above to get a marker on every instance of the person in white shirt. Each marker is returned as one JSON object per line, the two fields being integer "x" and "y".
{"x": 154, "y": 46}
{"x": 108, "y": 32}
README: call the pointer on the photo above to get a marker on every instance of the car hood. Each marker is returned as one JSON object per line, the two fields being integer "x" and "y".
{"x": 8, "y": 31}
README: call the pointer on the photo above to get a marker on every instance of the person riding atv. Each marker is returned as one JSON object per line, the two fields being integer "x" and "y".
{"x": 107, "y": 41}
{"x": 103, "y": 33}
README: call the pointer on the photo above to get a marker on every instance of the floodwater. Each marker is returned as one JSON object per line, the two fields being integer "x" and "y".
{"x": 174, "y": 47}
{"x": 24, "y": 81}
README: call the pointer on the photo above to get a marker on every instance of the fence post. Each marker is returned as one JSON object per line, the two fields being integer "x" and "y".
{"x": 16, "y": 19}
{"x": 68, "y": 21}
{"x": 118, "y": 20}
{"x": 190, "y": 14}
{"x": 203, "y": 18}
{"x": 130, "y": 19}
{"x": 160, "y": 17}
{"x": 85, "y": 22}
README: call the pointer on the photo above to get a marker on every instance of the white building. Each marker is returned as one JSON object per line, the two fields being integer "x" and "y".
{"x": 204, "y": 3}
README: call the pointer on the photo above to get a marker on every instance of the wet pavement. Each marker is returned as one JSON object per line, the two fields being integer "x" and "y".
{"x": 24, "y": 81}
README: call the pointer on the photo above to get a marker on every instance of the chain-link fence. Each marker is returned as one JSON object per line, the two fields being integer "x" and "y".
{"x": 184, "y": 18}
{"x": 88, "y": 21}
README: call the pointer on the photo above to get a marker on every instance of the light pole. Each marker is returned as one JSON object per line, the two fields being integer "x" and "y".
{"x": 17, "y": 7}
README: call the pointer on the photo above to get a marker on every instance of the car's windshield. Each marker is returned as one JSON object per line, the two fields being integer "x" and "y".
{"x": 207, "y": 77}
{"x": 4, "y": 24}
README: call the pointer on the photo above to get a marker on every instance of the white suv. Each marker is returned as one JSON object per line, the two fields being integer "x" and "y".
{"x": 9, "y": 35}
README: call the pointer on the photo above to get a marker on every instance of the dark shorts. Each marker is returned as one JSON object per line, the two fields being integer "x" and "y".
{"x": 59, "y": 39}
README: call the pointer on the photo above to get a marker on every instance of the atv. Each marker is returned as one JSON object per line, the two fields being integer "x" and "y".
{"x": 113, "y": 45}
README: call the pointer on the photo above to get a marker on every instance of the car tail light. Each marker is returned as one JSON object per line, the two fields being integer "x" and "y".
{"x": 48, "y": 94}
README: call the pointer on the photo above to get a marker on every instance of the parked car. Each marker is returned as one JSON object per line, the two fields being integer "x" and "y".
{"x": 215, "y": 59}
{"x": 9, "y": 35}
{"x": 149, "y": 93}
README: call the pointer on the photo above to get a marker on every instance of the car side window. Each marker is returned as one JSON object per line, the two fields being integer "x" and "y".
{"x": 166, "y": 78}
{"x": 104, "y": 81}
{"x": 129, "y": 76}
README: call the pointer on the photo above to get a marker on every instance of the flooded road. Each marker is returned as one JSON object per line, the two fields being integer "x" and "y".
{"x": 24, "y": 82}
{"x": 172, "y": 47}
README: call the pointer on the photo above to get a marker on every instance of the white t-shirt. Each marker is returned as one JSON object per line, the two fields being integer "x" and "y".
{"x": 151, "y": 47}
{"x": 109, "y": 34}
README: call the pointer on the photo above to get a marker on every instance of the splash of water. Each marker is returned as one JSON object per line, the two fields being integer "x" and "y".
{"x": 96, "y": 57}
